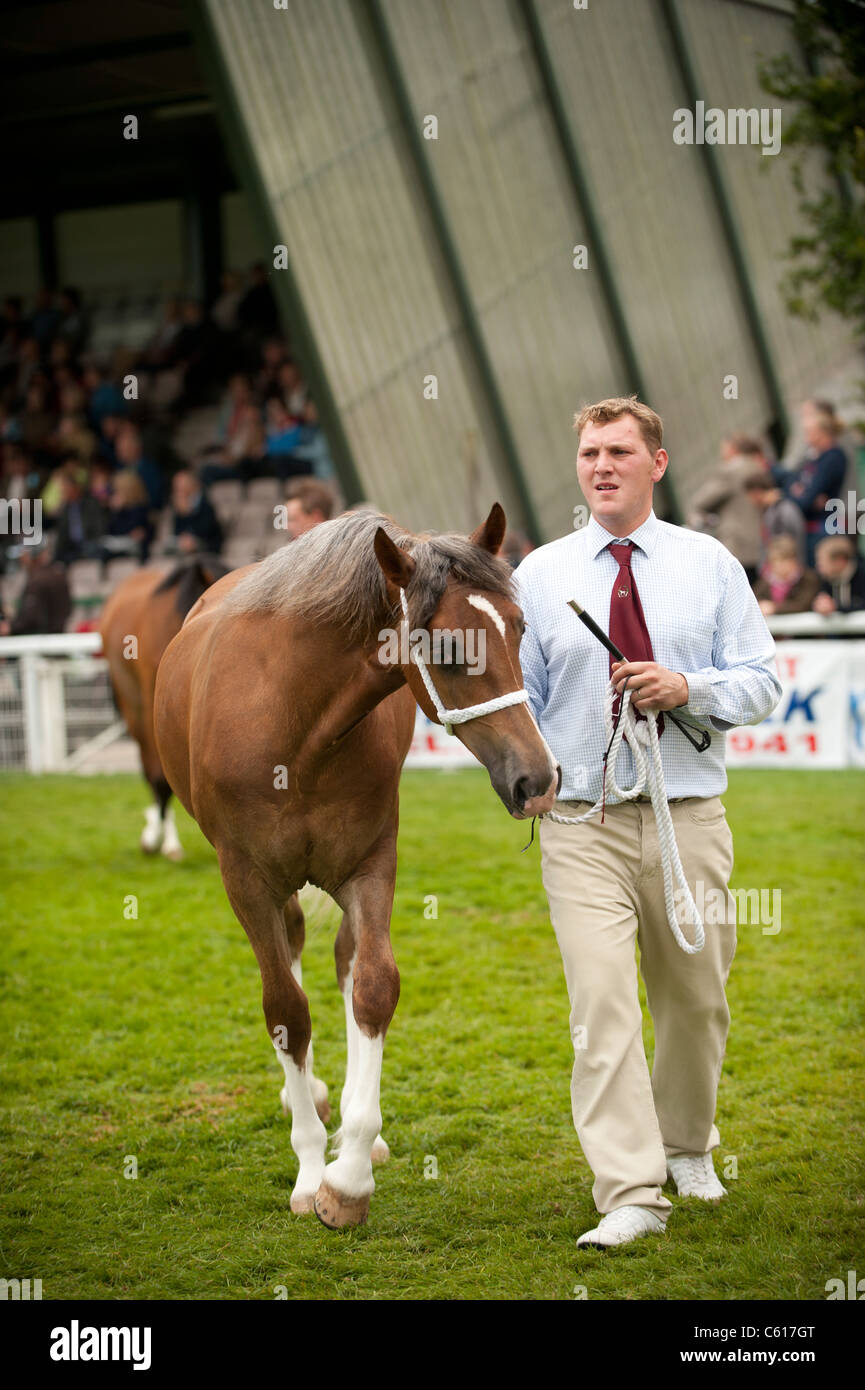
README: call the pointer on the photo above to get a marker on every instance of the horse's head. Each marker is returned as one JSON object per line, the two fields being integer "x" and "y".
{"x": 468, "y": 646}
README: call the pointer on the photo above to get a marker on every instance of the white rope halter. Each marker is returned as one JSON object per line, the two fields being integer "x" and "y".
{"x": 449, "y": 717}
{"x": 649, "y": 773}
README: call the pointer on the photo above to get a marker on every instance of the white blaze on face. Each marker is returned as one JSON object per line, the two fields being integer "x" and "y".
{"x": 483, "y": 605}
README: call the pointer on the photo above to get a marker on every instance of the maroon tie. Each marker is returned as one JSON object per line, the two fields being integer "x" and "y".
{"x": 627, "y": 622}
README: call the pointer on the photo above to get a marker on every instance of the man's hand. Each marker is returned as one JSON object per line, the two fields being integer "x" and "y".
{"x": 824, "y": 603}
{"x": 651, "y": 686}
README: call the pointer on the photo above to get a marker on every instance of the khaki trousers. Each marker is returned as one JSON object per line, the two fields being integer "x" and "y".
{"x": 605, "y": 890}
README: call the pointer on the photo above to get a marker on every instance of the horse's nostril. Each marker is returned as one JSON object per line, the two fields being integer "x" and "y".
{"x": 522, "y": 791}
{"x": 558, "y": 778}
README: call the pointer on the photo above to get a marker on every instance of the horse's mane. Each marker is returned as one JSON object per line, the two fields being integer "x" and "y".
{"x": 192, "y": 576}
{"x": 330, "y": 575}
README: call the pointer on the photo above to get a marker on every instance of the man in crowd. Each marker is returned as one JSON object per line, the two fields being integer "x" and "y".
{"x": 721, "y": 507}
{"x": 680, "y": 608}
{"x": 308, "y": 504}
{"x": 777, "y": 515}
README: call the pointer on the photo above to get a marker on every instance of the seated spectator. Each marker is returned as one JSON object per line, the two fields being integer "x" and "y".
{"x": 257, "y": 313}
{"x": 130, "y": 527}
{"x": 81, "y": 521}
{"x": 53, "y": 494}
{"x": 308, "y": 503}
{"x": 820, "y": 476}
{"x": 784, "y": 586}
{"x": 224, "y": 308}
{"x": 291, "y": 388}
{"x": 721, "y": 508}
{"x": 45, "y": 319}
{"x": 73, "y": 436}
{"x": 104, "y": 397}
{"x": 777, "y": 515}
{"x": 35, "y": 421}
{"x": 194, "y": 522}
{"x": 273, "y": 354}
{"x": 311, "y": 453}
{"x": 20, "y": 478}
{"x": 129, "y": 451}
{"x": 101, "y": 482}
{"x": 72, "y": 328}
{"x": 45, "y": 603}
{"x": 159, "y": 351}
{"x": 283, "y": 436}
{"x": 841, "y": 571}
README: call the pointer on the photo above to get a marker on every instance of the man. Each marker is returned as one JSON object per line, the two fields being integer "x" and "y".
{"x": 308, "y": 504}
{"x": 195, "y": 525}
{"x": 680, "y": 608}
{"x": 721, "y": 508}
{"x": 777, "y": 515}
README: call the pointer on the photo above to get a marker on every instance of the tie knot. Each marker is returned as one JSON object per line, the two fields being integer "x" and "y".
{"x": 622, "y": 553}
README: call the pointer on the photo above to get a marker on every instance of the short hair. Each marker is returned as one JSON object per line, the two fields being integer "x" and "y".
{"x": 614, "y": 408}
{"x": 835, "y": 545}
{"x": 749, "y": 445}
{"x": 758, "y": 482}
{"x": 783, "y": 547}
{"x": 313, "y": 496}
{"x": 824, "y": 413}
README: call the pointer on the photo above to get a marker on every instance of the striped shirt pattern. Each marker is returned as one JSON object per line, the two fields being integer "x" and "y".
{"x": 704, "y": 622}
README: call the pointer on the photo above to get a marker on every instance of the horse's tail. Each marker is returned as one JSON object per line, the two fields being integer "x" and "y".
{"x": 192, "y": 577}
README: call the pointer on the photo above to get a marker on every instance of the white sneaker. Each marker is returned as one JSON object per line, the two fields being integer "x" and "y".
{"x": 622, "y": 1225}
{"x": 695, "y": 1176}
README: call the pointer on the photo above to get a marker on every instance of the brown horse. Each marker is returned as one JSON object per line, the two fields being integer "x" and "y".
{"x": 283, "y": 715}
{"x": 138, "y": 622}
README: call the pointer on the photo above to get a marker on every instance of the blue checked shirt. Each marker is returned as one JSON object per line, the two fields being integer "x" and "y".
{"x": 704, "y": 622}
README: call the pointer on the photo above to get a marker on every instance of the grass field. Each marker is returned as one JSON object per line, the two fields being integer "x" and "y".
{"x": 143, "y": 1038}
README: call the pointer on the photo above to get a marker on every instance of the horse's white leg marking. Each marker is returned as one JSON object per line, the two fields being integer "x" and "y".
{"x": 171, "y": 846}
{"x": 308, "y": 1134}
{"x": 350, "y": 1174}
{"x": 318, "y": 1088}
{"x": 151, "y": 835}
{"x": 380, "y": 1150}
{"x": 483, "y": 605}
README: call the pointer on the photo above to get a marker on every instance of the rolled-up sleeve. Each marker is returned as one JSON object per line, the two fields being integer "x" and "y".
{"x": 741, "y": 686}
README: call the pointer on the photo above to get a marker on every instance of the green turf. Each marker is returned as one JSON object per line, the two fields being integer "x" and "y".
{"x": 144, "y": 1038}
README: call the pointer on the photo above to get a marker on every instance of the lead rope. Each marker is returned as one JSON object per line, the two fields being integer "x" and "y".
{"x": 649, "y": 775}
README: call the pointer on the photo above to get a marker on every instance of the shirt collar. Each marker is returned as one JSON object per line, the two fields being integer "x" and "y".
{"x": 645, "y": 536}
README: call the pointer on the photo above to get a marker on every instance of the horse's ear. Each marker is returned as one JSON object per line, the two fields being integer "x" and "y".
{"x": 397, "y": 565}
{"x": 492, "y": 533}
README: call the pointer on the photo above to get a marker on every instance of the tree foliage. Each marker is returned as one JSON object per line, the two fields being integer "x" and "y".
{"x": 828, "y": 97}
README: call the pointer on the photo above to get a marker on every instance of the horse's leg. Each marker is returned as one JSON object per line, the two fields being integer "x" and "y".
{"x": 367, "y": 899}
{"x": 296, "y": 935}
{"x": 286, "y": 1012}
{"x": 344, "y": 951}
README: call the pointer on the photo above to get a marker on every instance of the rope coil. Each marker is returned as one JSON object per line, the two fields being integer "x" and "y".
{"x": 643, "y": 740}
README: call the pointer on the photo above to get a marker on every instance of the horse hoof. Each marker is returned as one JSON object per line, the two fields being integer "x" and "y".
{"x": 335, "y": 1211}
{"x": 174, "y": 854}
{"x": 148, "y": 849}
{"x": 380, "y": 1151}
{"x": 303, "y": 1204}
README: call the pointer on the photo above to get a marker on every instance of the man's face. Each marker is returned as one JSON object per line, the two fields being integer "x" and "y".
{"x": 297, "y": 520}
{"x": 617, "y": 473}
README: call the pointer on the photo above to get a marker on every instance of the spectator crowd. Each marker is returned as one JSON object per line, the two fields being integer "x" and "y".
{"x": 91, "y": 438}
{"x": 92, "y": 441}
